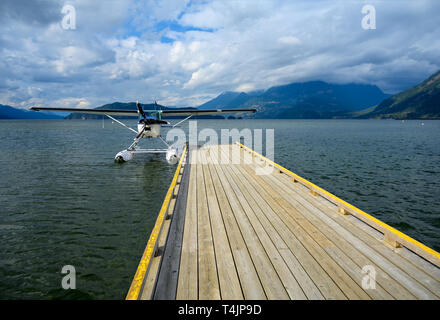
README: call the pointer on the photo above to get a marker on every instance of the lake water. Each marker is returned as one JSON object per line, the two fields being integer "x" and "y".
{"x": 63, "y": 201}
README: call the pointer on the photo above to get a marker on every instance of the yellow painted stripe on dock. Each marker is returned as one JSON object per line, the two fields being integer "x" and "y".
{"x": 348, "y": 205}
{"x": 138, "y": 280}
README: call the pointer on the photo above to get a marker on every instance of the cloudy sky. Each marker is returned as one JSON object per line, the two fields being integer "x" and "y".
{"x": 183, "y": 52}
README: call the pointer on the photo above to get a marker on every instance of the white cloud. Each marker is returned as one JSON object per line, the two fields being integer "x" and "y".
{"x": 289, "y": 40}
{"x": 245, "y": 87}
{"x": 80, "y": 103}
{"x": 116, "y": 52}
{"x": 204, "y": 75}
{"x": 73, "y": 57}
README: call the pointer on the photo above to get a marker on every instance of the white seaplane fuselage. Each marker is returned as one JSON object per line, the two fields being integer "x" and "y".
{"x": 151, "y": 131}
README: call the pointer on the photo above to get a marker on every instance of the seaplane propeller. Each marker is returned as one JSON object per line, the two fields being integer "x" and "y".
{"x": 141, "y": 112}
{"x": 149, "y": 126}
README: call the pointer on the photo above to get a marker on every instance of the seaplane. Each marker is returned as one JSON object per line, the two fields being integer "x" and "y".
{"x": 149, "y": 126}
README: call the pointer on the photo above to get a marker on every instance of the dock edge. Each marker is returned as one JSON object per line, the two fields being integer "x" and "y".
{"x": 152, "y": 244}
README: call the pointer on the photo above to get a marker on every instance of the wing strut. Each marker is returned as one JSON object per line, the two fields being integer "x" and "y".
{"x": 122, "y": 124}
{"x": 175, "y": 125}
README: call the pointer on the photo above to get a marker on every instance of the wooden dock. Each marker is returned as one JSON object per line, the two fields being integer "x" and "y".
{"x": 235, "y": 225}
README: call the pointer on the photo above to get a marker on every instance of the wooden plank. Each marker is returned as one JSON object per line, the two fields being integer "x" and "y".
{"x": 305, "y": 282}
{"x": 413, "y": 286}
{"x": 412, "y": 244}
{"x": 415, "y": 266}
{"x": 425, "y": 277}
{"x": 287, "y": 278}
{"x": 353, "y": 270}
{"x": 319, "y": 277}
{"x": 270, "y": 280}
{"x": 424, "y": 265}
{"x": 289, "y": 215}
{"x": 431, "y": 269}
{"x": 151, "y": 278}
{"x": 230, "y": 288}
{"x": 166, "y": 286}
{"x": 135, "y": 290}
{"x": 351, "y": 259}
{"x": 421, "y": 269}
{"x": 356, "y": 254}
{"x": 187, "y": 287}
{"x": 249, "y": 280}
{"x": 415, "y": 280}
{"x": 207, "y": 267}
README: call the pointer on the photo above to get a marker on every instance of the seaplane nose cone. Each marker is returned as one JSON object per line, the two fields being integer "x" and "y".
{"x": 173, "y": 159}
{"x": 119, "y": 159}
{"x": 171, "y": 156}
{"x": 123, "y": 156}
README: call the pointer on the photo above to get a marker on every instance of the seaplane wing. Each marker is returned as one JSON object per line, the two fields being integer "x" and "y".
{"x": 184, "y": 112}
{"x": 134, "y": 113}
{"x": 113, "y": 112}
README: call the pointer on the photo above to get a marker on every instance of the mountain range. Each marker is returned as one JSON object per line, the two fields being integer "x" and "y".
{"x": 419, "y": 102}
{"x": 321, "y": 100}
{"x": 305, "y": 100}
